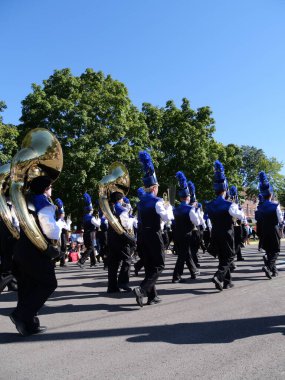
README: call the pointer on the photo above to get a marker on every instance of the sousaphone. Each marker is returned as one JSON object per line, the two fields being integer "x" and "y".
{"x": 5, "y": 212}
{"x": 118, "y": 179}
{"x": 40, "y": 154}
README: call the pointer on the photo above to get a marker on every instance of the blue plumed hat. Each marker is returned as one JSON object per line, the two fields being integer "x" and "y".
{"x": 149, "y": 178}
{"x": 183, "y": 188}
{"x": 140, "y": 192}
{"x": 264, "y": 186}
{"x": 60, "y": 208}
{"x": 88, "y": 202}
{"x": 234, "y": 194}
{"x": 192, "y": 190}
{"x": 220, "y": 181}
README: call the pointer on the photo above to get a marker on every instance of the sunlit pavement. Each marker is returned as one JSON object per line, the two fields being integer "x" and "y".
{"x": 196, "y": 332}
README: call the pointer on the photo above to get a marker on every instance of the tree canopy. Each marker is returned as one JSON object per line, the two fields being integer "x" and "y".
{"x": 97, "y": 124}
{"x": 8, "y": 138}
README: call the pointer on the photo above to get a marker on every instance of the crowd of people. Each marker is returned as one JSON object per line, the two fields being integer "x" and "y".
{"x": 143, "y": 231}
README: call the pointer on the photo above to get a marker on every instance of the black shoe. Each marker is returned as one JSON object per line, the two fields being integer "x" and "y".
{"x": 275, "y": 273}
{"x": 195, "y": 275}
{"x": 267, "y": 272}
{"x": 154, "y": 301}
{"x": 37, "y": 330}
{"x": 228, "y": 286}
{"x": 197, "y": 265}
{"x": 4, "y": 281}
{"x": 80, "y": 265}
{"x": 114, "y": 290}
{"x": 218, "y": 283}
{"x": 92, "y": 265}
{"x": 24, "y": 330}
{"x": 139, "y": 296}
{"x": 125, "y": 287}
{"x": 178, "y": 280}
{"x": 12, "y": 286}
{"x": 136, "y": 272}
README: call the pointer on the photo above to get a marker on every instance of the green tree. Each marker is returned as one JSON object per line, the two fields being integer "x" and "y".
{"x": 8, "y": 138}
{"x": 254, "y": 160}
{"x": 182, "y": 139}
{"x": 96, "y": 124}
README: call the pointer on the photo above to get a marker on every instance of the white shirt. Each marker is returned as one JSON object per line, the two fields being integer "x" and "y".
{"x": 201, "y": 219}
{"x": 194, "y": 217}
{"x": 209, "y": 223}
{"x": 165, "y": 212}
{"x": 279, "y": 214}
{"x": 126, "y": 221}
{"x": 96, "y": 221}
{"x": 48, "y": 224}
{"x": 235, "y": 212}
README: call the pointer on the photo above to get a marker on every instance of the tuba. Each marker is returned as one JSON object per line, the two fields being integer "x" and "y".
{"x": 40, "y": 154}
{"x": 5, "y": 212}
{"x": 118, "y": 179}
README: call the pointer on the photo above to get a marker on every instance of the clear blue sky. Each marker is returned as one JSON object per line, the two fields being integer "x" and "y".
{"x": 229, "y": 55}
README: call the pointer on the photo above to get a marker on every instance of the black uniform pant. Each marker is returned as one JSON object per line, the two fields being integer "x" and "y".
{"x": 153, "y": 257}
{"x": 224, "y": 247}
{"x": 36, "y": 281}
{"x": 195, "y": 244}
{"x": 184, "y": 256}
{"x": 271, "y": 258}
{"x": 118, "y": 254}
{"x": 139, "y": 264}
{"x": 89, "y": 252}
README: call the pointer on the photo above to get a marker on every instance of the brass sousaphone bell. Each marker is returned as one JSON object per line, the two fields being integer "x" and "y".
{"x": 118, "y": 179}
{"x": 40, "y": 154}
{"x": 5, "y": 212}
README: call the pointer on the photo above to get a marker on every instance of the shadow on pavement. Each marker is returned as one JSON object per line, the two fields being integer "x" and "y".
{"x": 215, "y": 332}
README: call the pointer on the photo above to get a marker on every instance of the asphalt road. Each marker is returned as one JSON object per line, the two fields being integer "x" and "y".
{"x": 196, "y": 332}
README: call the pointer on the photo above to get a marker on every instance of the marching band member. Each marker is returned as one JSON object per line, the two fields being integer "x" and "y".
{"x": 269, "y": 216}
{"x": 201, "y": 227}
{"x": 221, "y": 213}
{"x": 34, "y": 269}
{"x": 151, "y": 211}
{"x": 195, "y": 235}
{"x": 119, "y": 248}
{"x": 90, "y": 223}
{"x": 185, "y": 219}
{"x": 207, "y": 231}
{"x": 65, "y": 228}
{"x": 238, "y": 235}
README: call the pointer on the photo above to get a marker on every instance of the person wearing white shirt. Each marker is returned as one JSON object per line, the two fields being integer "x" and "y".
{"x": 221, "y": 212}
{"x": 151, "y": 210}
{"x": 119, "y": 247}
{"x": 34, "y": 269}
{"x": 269, "y": 218}
{"x": 185, "y": 220}
{"x": 90, "y": 223}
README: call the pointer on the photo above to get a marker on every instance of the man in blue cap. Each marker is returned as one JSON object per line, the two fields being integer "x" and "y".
{"x": 152, "y": 210}
{"x": 221, "y": 212}
{"x": 90, "y": 223}
{"x": 185, "y": 219}
{"x": 269, "y": 215}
